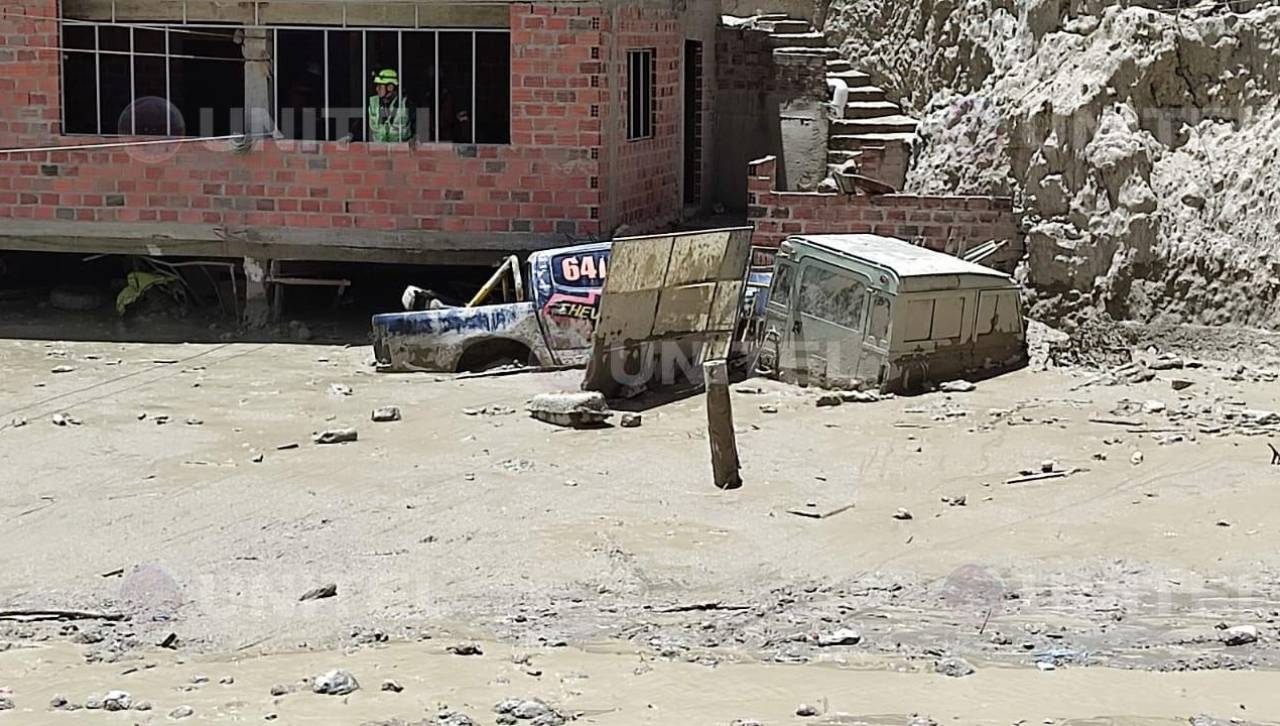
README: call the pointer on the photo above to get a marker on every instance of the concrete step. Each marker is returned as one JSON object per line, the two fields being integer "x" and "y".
{"x": 838, "y": 65}
{"x": 811, "y": 52}
{"x": 886, "y": 124}
{"x": 852, "y": 78}
{"x": 787, "y": 25}
{"x": 798, "y": 40}
{"x": 853, "y": 142}
{"x": 859, "y": 94}
{"x": 871, "y": 109}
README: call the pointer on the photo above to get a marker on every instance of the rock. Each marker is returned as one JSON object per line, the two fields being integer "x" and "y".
{"x": 279, "y": 690}
{"x": 843, "y": 636}
{"x": 226, "y": 681}
{"x": 93, "y": 703}
{"x": 1166, "y": 363}
{"x": 530, "y": 709}
{"x": 445, "y": 717}
{"x": 117, "y": 701}
{"x": 336, "y": 436}
{"x": 298, "y": 330}
{"x": 1223, "y": 523}
{"x": 954, "y": 667}
{"x": 1180, "y": 384}
{"x": 58, "y": 702}
{"x": 386, "y": 414}
{"x": 335, "y": 683}
{"x": 340, "y": 389}
{"x": 828, "y": 399}
{"x": 1239, "y": 635}
{"x": 64, "y": 419}
{"x": 1136, "y": 458}
{"x": 392, "y": 686}
{"x": 1153, "y": 407}
{"x": 61, "y": 369}
{"x": 1193, "y": 200}
{"x": 18, "y": 422}
{"x": 193, "y": 421}
{"x": 181, "y": 712}
{"x": 319, "y": 593}
{"x": 745, "y": 722}
{"x": 465, "y": 649}
{"x": 630, "y": 420}
{"x": 1048, "y": 465}
{"x": 7, "y": 703}
{"x": 768, "y": 408}
{"x": 957, "y": 387}
{"x": 957, "y": 501}
{"x": 902, "y": 514}
{"x": 860, "y": 396}
{"x": 577, "y": 408}
{"x": 805, "y": 710}
{"x": 918, "y": 720}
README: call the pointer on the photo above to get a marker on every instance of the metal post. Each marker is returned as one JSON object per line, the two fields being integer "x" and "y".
{"x": 724, "y": 445}
{"x": 435, "y": 101}
{"x": 97, "y": 76}
{"x": 400, "y": 65}
{"x": 168, "y": 97}
{"x": 62, "y": 68}
{"x": 275, "y": 81}
{"x": 364, "y": 78}
{"x": 325, "y": 114}
{"x": 473, "y": 87}
{"x": 133, "y": 91}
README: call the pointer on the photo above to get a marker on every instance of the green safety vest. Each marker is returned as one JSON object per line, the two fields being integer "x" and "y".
{"x": 393, "y": 129}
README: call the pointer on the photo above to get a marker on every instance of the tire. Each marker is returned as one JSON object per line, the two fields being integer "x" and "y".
{"x": 76, "y": 298}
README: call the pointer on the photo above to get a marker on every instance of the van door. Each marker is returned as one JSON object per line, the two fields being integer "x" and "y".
{"x": 831, "y": 321}
{"x": 777, "y": 352}
{"x": 875, "y": 344}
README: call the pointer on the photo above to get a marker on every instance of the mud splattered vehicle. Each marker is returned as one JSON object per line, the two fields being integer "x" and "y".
{"x": 550, "y": 323}
{"x": 859, "y": 309}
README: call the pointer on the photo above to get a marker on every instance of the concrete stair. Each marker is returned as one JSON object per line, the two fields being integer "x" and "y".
{"x": 869, "y": 127}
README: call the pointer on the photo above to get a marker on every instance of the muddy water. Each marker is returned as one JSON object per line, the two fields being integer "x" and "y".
{"x": 609, "y": 684}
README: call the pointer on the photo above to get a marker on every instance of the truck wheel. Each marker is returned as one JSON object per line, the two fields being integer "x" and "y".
{"x": 493, "y": 354}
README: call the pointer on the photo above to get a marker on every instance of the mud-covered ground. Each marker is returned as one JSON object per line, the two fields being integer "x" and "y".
{"x": 601, "y": 571}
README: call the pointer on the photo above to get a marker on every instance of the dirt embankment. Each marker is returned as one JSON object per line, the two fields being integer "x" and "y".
{"x": 1141, "y": 141}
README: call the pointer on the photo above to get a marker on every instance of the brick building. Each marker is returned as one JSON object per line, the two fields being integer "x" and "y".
{"x": 536, "y": 124}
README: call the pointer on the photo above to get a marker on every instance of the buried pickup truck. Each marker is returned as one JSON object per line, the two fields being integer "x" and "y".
{"x": 557, "y": 295}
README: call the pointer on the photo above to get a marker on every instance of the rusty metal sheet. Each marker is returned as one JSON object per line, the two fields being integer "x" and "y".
{"x": 670, "y": 302}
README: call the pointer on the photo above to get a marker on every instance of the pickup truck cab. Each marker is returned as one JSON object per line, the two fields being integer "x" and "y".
{"x": 551, "y": 322}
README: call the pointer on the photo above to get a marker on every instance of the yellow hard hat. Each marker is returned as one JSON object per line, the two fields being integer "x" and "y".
{"x": 387, "y": 76}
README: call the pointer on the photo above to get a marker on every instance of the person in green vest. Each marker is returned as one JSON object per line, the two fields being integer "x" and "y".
{"x": 391, "y": 116}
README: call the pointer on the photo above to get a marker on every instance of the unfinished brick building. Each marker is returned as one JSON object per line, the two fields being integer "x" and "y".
{"x": 536, "y": 124}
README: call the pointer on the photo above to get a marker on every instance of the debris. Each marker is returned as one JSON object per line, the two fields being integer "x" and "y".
{"x": 954, "y": 667}
{"x": 1114, "y": 421}
{"x": 630, "y": 420}
{"x": 530, "y": 709}
{"x": 1275, "y": 454}
{"x": 257, "y": 458}
{"x": 445, "y": 717}
{"x": 35, "y": 615}
{"x": 703, "y": 606}
{"x": 279, "y": 690}
{"x": 1222, "y": 523}
{"x": 58, "y": 702}
{"x": 1166, "y": 362}
{"x": 1136, "y": 458}
{"x": 577, "y": 408}
{"x": 812, "y": 513}
{"x": 7, "y": 703}
{"x": 843, "y": 636}
{"x": 61, "y": 369}
{"x": 1179, "y": 384}
{"x": 318, "y": 593}
{"x": 902, "y": 514}
{"x": 336, "y": 436}
{"x": 386, "y": 414}
{"x": 93, "y": 703}
{"x": 1239, "y": 635}
{"x": 227, "y": 681}
{"x": 957, "y": 387}
{"x": 193, "y": 421}
{"x": 1048, "y": 465}
{"x": 959, "y": 501}
{"x": 117, "y": 701}
{"x": 181, "y": 712}
{"x": 1046, "y": 665}
{"x": 721, "y": 436}
{"x": 392, "y": 686}
{"x": 465, "y": 649}
{"x": 64, "y": 419}
{"x": 170, "y": 641}
{"x": 340, "y": 389}
{"x": 1154, "y": 407}
{"x": 286, "y": 447}
{"x": 335, "y": 683}
{"x": 18, "y": 422}
{"x": 828, "y": 399}
{"x": 768, "y": 408}
{"x": 860, "y": 396}
{"x": 298, "y": 330}
{"x": 805, "y": 710}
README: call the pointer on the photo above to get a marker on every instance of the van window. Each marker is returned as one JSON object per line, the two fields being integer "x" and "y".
{"x": 948, "y": 314}
{"x": 833, "y": 297}
{"x": 998, "y": 312}
{"x": 782, "y": 277}
{"x": 878, "y": 320}
{"x": 919, "y": 320}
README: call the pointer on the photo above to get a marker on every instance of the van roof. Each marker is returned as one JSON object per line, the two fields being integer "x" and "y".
{"x": 900, "y": 256}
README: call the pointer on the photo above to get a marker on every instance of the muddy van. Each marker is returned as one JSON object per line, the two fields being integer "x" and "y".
{"x": 850, "y": 309}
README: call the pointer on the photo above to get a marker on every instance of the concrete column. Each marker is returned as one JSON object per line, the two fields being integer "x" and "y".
{"x": 259, "y": 108}
{"x": 257, "y": 306}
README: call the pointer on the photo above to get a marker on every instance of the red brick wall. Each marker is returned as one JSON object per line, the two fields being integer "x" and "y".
{"x": 540, "y": 184}
{"x": 945, "y": 224}
{"x": 644, "y": 187}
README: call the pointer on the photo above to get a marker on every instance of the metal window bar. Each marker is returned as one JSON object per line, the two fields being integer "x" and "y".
{"x": 364, "y": 78}
{"x": 97, "y": 73}
{"x": 474, "y": 105}
{"x": 133, "y": 91}
{"x": 62, "y": 70}
{"x": 325, "y": 115}
{"x": 168, "y": 93}
{"x": 400, "y": 65}
{"x": 275, "y": 82}
{"x": 435, "y": 100}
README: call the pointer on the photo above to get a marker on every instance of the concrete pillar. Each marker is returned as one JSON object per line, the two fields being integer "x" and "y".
{"x": 257, "y": 306}
{"x": 259, "y": 110}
